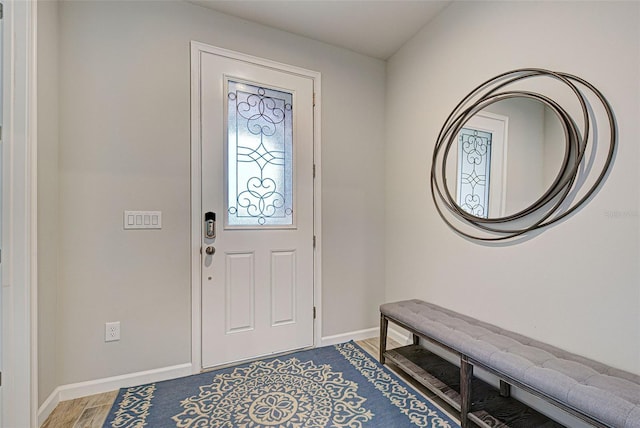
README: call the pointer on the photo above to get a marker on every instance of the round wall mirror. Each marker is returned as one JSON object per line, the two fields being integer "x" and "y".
{"x": 508, "y": 162}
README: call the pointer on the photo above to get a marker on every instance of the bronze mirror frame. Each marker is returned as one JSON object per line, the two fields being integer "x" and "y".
{"x": 554, "y": 204}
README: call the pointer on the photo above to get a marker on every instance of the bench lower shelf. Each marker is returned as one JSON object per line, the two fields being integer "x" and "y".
{"x": 488, "y": 408}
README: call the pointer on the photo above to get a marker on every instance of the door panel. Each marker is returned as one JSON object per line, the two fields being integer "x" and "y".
{"x": 256, "y": 130}
{"x": 283, "y": 287}
{"x": 240, "y": 292}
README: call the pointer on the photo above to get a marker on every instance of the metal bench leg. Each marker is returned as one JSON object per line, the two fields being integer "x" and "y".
{"x": 466, "y": 374}
{"x": 384, "y": 324}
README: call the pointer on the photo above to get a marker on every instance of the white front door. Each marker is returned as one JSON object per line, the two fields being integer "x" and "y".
{"x": 255, "y": 126}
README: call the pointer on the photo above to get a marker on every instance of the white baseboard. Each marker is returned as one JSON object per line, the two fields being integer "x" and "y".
{"x": 47, "y": 407}
{"x": 352, "y": 335}
{"x": 399, "y": 334}
{"x": 396, "y": 333}
{"x": 99, "y": 386}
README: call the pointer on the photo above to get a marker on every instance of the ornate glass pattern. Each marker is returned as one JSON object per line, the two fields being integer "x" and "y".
{"x": 474, "y": 162}
{"x": 259, "y": 156}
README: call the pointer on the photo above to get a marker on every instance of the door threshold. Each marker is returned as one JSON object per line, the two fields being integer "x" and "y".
{"x": 252, "y": 359}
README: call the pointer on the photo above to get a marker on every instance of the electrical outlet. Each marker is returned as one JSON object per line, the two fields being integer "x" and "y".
{"x": 112, "y": 331}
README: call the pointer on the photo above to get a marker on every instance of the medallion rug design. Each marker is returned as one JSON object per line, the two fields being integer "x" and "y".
{"x": 334, "y": 386}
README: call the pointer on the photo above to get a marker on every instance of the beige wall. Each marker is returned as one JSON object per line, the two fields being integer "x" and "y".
{"x": 124, "y": 144}
{"x": 47, "y": 75}
{"x": 577, "y": 285}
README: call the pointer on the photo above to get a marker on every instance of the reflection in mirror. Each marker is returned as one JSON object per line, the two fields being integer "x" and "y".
{"x": 508, "y": 155}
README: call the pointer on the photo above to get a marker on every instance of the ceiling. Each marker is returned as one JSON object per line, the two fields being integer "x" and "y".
{"x": 377, "y": 28}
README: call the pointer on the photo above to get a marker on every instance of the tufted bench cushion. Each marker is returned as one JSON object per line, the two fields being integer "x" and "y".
{"x": 608, "y": 395}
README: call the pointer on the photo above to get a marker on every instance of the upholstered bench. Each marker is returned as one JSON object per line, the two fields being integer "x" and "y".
{"x": 601, "y": 395}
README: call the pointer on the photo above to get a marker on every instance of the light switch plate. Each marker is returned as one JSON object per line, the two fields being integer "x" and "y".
{"x": 143, "y": 219}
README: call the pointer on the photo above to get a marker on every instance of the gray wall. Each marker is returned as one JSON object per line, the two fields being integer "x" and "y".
{"x": 577, "y": 284}
{"x": 47, "y": 75}
{"x": 525, "y": 149}
{"x": 124, "y": 144}
{"x": 554, "y": 148}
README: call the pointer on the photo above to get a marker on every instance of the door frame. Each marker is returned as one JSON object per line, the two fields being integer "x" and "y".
{"x": 19, "y": 397}
{"x": 196, "y": 208}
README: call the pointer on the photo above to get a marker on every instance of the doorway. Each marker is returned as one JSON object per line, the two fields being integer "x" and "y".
{"x": 253, "y": 211}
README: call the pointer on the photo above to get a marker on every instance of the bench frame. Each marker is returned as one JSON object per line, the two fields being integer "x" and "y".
{"x": 466, "y": 375}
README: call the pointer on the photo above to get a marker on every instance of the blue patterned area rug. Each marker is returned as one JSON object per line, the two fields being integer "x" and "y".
{"x": 334, "y": 386}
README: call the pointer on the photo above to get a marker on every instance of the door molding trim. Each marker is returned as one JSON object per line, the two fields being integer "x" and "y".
{"x": 19, "y": 217}
{"x": 196, "y": 190}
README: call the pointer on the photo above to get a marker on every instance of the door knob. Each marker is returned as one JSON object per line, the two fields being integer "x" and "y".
{"x": 210, "y": 250}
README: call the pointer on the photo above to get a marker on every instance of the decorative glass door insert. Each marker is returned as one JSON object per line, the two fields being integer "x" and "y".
{"x": 474, "y": 154}
{"x": 259, "y": 156}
